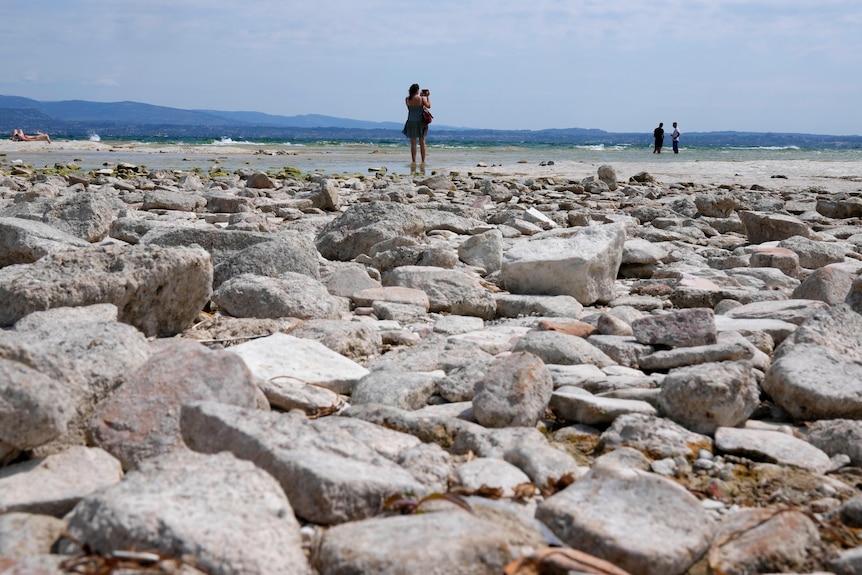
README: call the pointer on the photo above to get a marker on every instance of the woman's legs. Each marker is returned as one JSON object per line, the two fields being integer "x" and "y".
{"x": 421, "y": 149}
{"x": 413, "y": 149}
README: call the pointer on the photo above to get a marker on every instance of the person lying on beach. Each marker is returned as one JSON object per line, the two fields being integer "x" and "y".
{"x": 20, "y": 136}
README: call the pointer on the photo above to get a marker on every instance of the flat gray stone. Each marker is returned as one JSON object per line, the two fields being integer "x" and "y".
{"x": 772, "y": 446}
{"x": 636, "y": 520}
{"x": 53, "y": 485}
{"x": 280, "y": 355}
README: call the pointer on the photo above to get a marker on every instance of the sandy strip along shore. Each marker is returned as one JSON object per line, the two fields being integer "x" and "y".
{"x": 832, "y": 176}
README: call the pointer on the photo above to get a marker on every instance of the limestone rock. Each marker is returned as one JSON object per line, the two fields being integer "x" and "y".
{"x": 634, "y": 519}
{"x": 163, "y": 507}
{"x": 513, "y": 392}
{"x": 159, "y": 291}
{"x": 583, "y": 264}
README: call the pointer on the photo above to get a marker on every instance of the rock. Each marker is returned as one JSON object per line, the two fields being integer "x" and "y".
{"x": 53, "y": 485}
{"x": 546, "y": 466}
{"x": 462, "y": 543}
{"x": 287, "y": 252}
{"x": 163, "y": 505}
{"x": 654, "y": 436}
{"x": 698, "y": 354}
{"x": 764, "y": 541}
{"x": 854, "y": 297}
{"x": 793, "y": 311}
{"x": 608, "y": 175}
{"x": 711, "y": 395}
{"x": 25, "y": 241}
{"x": 640, "y": 251}
{"x": 513, "y": 392}
{"x": 683, "y": 328}
{"x": 848, "y": 207}
{"x": 783, "y": 259}
{"x": 623, "y": 350}
{"x": 362, "y": 226}
{"x": 333, "y": 470}
{"x": 142, "y": 418}
{"x": 813, "y": 254}
{"x": 449, "y": 291}
{"x": 219, "y": 243}
{"x": 484, "y": 251}
{"x": 831, "y": 284}
{"x": 86, "y": 358}
{"x": 408, "y": 391}
{"x": 721, "y": 204}
{"x": 161, "y": 199}
{"x": 771, "y": 446}
{"x": 281, "y": 355}
{"x": 87, "y": 215}
{"x": 817, "y": 371}
{"x": 442, "y": 430}
{"x": 289, "y": 294}
{"x": 634, "y": 519}
{"x": 557, "y": 306}
{"x": 561, "y": 348}
{"x": 346, "y": 278}
{"x": 837, "y": 437}
{"x": 582, "y": 264}
{"x": 490, "y": 473}
{"x": 260, "y": 181}
{"x": 763, "y": 227}
{"x": 24, "y": 535}
{"x": 159, "y": 291}
{"x": 353, "y": 340}
{"x": 392, "y": 294}
{"x": 608, "y": 324}
{"x": 35, "y": 409}
{"x": 584, "y": 407}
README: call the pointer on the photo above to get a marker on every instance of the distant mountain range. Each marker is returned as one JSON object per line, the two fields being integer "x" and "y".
{"x": 77, "y": 119}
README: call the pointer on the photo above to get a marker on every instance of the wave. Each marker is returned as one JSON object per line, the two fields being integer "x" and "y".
{"x": 770, "y": 148}
{"x": 94, "y": 137}
{"x": 602, "y": 147}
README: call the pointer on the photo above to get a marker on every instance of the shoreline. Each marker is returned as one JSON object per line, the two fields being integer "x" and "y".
{"x": 833, "y": 176}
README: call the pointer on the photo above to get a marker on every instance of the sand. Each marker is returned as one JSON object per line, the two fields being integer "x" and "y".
{"x": 791, "y": 175}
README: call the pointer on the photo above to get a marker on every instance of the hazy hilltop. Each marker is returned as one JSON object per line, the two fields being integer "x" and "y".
{"x": 118, "y": 120}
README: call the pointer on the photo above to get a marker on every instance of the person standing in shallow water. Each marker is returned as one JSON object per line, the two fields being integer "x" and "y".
{"x": 674, "y": 137}
{"x": 658, "y": 134}
{"x": 414, "y": 127}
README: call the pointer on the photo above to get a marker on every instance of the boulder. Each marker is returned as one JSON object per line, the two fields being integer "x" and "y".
{"x": 817, "y": 371}
{"x": 141, "y": 419}
{"x": 168, "y": 506}
{"x": 23, "y": 241}
{"x": 582, "y": 263}
{"x": 287, "y": 252}
{"x": 363, "y": 225}
{"x": 159, "y": 291}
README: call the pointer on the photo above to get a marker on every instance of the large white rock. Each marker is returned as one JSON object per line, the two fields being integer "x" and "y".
{"x": 582, "y": 263}
{"x": 282, "y": 355}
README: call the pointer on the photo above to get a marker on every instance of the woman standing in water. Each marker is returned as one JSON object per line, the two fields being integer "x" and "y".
{"x": 414, "y": 127}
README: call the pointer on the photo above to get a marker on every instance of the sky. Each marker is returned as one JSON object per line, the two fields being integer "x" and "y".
{"x": 615, "y": 65}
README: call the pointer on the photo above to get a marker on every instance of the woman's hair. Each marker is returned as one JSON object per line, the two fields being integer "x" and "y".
{"x": 414, "y": 89}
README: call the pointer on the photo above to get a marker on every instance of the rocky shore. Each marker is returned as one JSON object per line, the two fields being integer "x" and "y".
{"x": 476, "y": 372}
